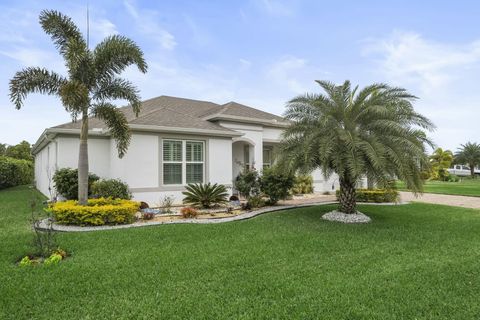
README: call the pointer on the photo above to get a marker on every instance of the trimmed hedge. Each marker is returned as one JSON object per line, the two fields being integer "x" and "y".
{"x": 15, "y": 172}
{"x": 375, "y": 195}
{"x": 96, "y": 213}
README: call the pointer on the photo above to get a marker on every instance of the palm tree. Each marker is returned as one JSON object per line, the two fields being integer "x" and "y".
{"x": 91, "y": 84}
{"x": 374, "y": 132}
{"x": 440, "y": 161}
{"x": 469, "y": 154}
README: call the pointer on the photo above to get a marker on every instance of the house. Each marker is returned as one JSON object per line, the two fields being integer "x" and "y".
{"x": 175, "y": 141}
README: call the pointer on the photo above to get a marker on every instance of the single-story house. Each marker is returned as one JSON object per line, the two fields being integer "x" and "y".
{"x": 175, "y": 141}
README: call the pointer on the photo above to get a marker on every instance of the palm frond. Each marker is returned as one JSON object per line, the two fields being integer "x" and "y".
{"x": 116, "y": 122}
{"x": 34, "y": 80}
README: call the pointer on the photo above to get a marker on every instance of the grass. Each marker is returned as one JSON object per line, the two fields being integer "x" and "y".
{"x": 413, "y": 261}
{"x": 465, "y": 187}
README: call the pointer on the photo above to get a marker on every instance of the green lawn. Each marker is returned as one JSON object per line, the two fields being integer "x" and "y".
{"x": 413, "y": 261}
{"x": 466, "y": 187}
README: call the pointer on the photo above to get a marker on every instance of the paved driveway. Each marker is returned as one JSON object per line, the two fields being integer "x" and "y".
{"x": 450, "y": 200}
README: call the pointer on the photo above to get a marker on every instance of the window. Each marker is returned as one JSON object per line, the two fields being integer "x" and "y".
{"x": 183, "y": 161}
{"x": 267, "y": 157}
{"x": 246, "y": 157}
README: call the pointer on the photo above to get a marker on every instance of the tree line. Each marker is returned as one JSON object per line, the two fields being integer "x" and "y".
{"x": 441, "y": 160}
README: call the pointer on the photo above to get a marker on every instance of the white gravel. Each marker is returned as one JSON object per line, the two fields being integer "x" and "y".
{"x": 346, "y": 218}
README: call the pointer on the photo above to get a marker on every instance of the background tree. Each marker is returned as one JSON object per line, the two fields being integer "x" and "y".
{"x": 469, "y": 154}
{"x": 440, "y": 161}
{"x": 91, "y": 84}
{"x": 3, "y": 149}
{"x": 23, "y": 150}
{"x": 373, "y": 132}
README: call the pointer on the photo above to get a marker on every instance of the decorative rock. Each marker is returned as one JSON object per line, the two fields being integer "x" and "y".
{"x": 346, "y": 218}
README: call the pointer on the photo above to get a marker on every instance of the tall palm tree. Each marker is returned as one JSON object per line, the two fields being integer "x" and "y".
{"x": 469, "y": 153}
{"x": 92, "y": 82}
{"x": 440, "y": 161}
{"x": 374, "y": 132}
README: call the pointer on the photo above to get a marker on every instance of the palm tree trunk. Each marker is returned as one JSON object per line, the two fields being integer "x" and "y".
{"x": 348, "y": 202}
{"x": 472, "y": 170}
{"x": 83, "y": 162}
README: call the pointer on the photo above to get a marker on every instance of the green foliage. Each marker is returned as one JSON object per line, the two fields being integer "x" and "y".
{"x": 373, "y": 132}
{"x": 25, "y": 262}
{"x": 55, "y": 258}
{"x": 205, "y": 195}
{"x": 15, "y": 172}
{"x": 111, "y": 188}
{"x": 440, "y": 161}
{"x": 97, "y": 212}
{"x": 469, "y": 153}
{"x": 66, "y": 182}
{"x": 275, "y": 184}
{"x": 189, "y": 212}
{"x": 375, "y": 195}
{"x": 23, "y": 151}
{"x": 255, "y": 201}
{"x": 248, "y": 183}
{"x": 452, "y": 178}
{"x": 303, "y": 184}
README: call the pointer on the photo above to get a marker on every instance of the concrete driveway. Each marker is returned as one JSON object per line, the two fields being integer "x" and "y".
{"x": 449, "y": 200}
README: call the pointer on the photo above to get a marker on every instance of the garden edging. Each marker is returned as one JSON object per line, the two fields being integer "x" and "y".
{"x": 247, "y": 215}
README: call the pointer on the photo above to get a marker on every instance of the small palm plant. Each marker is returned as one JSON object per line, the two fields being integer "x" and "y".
{"x": 91, "y": 86}
{"x": 374, "y": 132}
{"x": 205, "y": 195}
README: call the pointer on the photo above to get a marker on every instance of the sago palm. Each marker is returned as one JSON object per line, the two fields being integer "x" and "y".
{"x": 373, "y": 132}
{"x": 440, "y": 161}
{"x": 205, "y": 195}
{"x": 89, "y": 87}
{"x": 469, "y": 153}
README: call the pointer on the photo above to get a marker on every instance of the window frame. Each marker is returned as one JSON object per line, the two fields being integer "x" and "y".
{"x": 183, "y": 161}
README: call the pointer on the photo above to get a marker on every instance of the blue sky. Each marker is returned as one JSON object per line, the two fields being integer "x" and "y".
{"x": 264, "y": 52}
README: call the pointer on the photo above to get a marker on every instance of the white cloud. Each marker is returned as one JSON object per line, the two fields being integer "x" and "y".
{"x": 286, "y": 71}
{"x": 280, "y": 8}
{"x": 146, "y": 21}
{"x": 409, "y": 58}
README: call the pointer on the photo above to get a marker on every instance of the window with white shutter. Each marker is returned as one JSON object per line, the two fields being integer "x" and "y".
{"x": 183, "y": 162}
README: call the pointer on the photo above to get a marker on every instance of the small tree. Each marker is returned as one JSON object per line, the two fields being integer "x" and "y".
{"x": 469, "y": 154}
{"x": 440, "y": 161}
{"x": 92, "y": 83}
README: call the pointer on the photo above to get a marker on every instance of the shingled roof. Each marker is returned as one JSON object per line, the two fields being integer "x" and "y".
{"x": 166, "y": 111}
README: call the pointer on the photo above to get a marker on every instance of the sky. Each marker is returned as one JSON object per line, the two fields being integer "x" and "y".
{"x": 262, "y": 53}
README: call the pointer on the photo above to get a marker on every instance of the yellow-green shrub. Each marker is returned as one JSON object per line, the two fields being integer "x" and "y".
{"x": 375, "y": 195}
{"x": 98, "y": 212}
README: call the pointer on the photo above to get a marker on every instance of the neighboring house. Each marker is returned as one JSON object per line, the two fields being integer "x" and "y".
{"x": 174, "y": 142}
{"x": 462, "y": 170}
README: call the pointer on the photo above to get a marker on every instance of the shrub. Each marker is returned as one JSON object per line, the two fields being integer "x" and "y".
{"x": 15, "y": 172}
{"x": 375, "y": 195}
{"x": 189, "y": 212}
{"x": 453, "y": 178}
{"x": 255, "y": 202}
{"x": 248, "y": 183}
{"x": 275, "y": 184}
{"x": 66, "y": 182}
{"x": 26, "y": 261}
{"x": 96, "y": 213}
{"x": 303, "y": 184}
{"x": 111, "y": 188}
{"x": 205, "y": 195}
{"x": 55, "y": 258}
